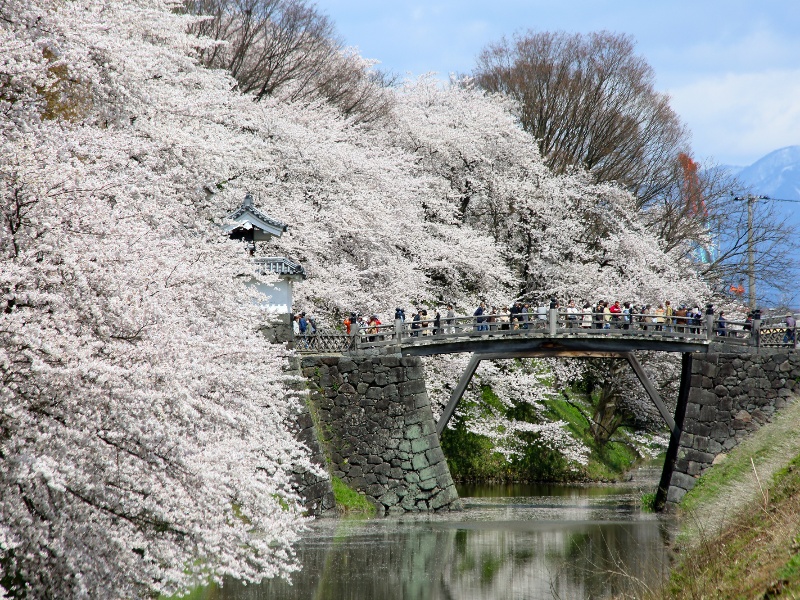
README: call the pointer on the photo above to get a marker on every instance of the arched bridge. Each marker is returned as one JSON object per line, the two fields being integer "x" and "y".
{"x": 559, "y": 333}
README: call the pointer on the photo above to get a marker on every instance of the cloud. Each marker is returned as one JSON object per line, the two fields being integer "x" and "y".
{"x": 746, "y": 114}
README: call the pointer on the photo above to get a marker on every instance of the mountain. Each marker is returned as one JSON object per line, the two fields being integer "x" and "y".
{"x": 776, "y": 175}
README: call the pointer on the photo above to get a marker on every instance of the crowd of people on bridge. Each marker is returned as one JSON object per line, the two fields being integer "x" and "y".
{"x": 662, "y": 316}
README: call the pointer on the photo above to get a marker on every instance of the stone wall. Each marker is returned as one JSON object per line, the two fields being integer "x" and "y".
{"x": 376, "y": 423}
{"x": 315, "y": 489}
{"x": 732, "y": 394}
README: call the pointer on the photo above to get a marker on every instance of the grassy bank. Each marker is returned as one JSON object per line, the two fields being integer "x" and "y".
{"x": 740, "y": 533}
{"x": 473, "y": 457}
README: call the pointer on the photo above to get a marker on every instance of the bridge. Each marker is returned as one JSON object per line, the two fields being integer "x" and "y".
{"x": 559, "y": 333}
{"x": 554, "y": 333}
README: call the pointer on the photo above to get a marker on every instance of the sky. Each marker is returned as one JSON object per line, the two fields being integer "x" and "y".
{"x": 731, "y": 67}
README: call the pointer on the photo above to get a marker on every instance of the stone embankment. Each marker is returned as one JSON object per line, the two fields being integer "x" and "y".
{"x": 732, "y": 395}
{"x": 373, "y": 415}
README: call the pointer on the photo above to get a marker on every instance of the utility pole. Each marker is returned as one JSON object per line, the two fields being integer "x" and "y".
{"x": 751, "y": 263}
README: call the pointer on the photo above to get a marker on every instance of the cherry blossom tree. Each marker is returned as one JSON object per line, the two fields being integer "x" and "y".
{"x": 144, "y": 441}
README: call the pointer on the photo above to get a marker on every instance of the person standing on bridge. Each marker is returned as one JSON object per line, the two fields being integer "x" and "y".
{"x": 721, "y": 330}
{"x": 791, "y": 325}
{"x": 659, "y": 318}
{"x": 572, "y": 314}
{"x": 669, "y": 319}
{"x": 479, "y": 318}
{"x": 586, "y": 319}
{"x": 615, "y": 310}
{"x": 450, "y": 320}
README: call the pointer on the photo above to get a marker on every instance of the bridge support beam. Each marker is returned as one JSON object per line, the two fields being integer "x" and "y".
{"x": 651, "y": 391}
{"x": 675, "y": 435}
{"x": 458, "y": 392}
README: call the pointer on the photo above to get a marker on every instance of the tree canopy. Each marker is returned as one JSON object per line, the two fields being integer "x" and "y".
{"x": 143, "y": 419}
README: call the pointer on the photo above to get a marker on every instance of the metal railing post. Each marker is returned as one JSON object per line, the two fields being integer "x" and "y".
{"x": 553, "y": 320}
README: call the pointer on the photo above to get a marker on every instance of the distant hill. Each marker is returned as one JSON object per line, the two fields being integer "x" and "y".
{"x": 776, "y": 175}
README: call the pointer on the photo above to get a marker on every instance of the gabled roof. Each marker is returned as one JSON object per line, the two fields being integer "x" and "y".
{"x": 248, "y": 216}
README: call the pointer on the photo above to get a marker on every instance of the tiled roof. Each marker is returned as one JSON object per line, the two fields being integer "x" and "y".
{"x": 247, "y": 207}
{"x": 279, "y": 265}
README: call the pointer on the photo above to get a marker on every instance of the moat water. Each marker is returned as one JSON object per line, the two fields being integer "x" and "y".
{"x": 509, "y": 542}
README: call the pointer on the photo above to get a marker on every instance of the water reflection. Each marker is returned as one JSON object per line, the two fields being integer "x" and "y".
{"x": 553, "y": 542}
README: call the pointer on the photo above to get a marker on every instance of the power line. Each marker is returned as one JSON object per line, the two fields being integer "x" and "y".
{"x": 767, "y": 198}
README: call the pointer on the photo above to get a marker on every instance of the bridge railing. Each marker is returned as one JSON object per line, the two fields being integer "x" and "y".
{"x": 638, "y": 324}
{"x": 772, "y": 332}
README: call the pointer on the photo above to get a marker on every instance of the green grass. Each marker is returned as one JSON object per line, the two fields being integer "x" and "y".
{"x": 473, "y": 457}
{"x": 648, "y": 501}
{"x": 605, "y": 463}
{"x": 350, "y": 501}
{"x": 770, "y": 448}
{"x": 755, "y": 554}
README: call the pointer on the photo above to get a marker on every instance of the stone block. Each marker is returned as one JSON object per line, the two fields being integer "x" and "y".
{"x": 682, "y": 480}
{"x": 435, "y": 455}
{"x": 415, "y": 416}
{"x": 428, "y": 484}
{"x": 699, "y": 457}
{"x": 708, "y": 368}
{"x": 675, "y": 495}
{"x": 376, "y": 490}
{"x": 389, "y": 499}
{"x": 720, "y": 391}
{"x": 696, "y": 428}
{"x": 414, "y": 432}
{"x": 419, "y": 462}
{"x": 443, "y": 498}
{"x": 395, "y": 375}
{"x": 429, "y": 472}
{"x": 720, "y": 432}
{"x": 694, "y": 468}
{"x": 420, "y": 445}
{"x": 692, "y": 411}
{"x": 391, "y": 361}
{"x": 708, "y": 414}
{"x": 706, "y": 398}
{"x": 415, "y": 373}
